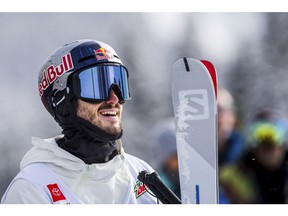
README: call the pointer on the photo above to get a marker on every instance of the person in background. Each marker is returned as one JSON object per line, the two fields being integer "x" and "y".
{"x": 261, "y": 174}
{"x": 230, "y": 140}
{"x": 164, "y": 140}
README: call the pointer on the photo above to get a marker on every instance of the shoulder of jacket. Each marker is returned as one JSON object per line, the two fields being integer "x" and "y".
{"x": 24, "y": 187}
{"x": 137, "y": 163}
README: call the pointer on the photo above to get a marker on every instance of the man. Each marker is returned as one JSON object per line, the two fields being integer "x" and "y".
{"x": 261, "y": 174}
{"x": 230, "y": 140}
{"x": 266, "y": 161}
{"x": 83, "y": 85}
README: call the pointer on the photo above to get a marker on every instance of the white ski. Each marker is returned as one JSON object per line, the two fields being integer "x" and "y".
{"x": 194, "y": 90}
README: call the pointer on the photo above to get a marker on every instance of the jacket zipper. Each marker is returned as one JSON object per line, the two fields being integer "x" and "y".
{"x": 83, "y": 179}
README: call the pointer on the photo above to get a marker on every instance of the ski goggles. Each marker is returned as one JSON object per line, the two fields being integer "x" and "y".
{"x": 273, "y": 133}
{"x": 95, "y": 83}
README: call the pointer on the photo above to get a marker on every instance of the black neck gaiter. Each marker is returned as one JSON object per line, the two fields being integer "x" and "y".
{"x": 85, "y": 140}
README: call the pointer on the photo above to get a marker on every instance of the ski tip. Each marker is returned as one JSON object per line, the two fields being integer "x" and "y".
{"x": 207, "y": 64}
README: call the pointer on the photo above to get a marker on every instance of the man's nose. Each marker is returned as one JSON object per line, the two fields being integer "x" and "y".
{"x": 112, "y": 99}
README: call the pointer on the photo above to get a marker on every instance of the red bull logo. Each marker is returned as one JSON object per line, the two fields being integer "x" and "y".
{"x": 102, "y": 54}
{"x": 52, "y": 72}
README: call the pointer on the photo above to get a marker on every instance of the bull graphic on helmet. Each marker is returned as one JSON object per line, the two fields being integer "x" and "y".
{"x": 102, "y": 53}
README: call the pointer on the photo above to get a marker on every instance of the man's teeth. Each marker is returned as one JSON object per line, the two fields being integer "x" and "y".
{"x": 110, "y": 113}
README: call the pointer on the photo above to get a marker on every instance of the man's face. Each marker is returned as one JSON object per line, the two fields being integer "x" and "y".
{"x": 106, "y": 115}
{"x": 270, "y": 156}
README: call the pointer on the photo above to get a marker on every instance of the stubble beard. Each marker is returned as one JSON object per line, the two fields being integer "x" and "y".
{"x": 90, "y": 115}
{"x": 110, "y": 130}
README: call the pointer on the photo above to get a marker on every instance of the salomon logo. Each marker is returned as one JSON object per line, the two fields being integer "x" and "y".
{"x": 193, "y": 105}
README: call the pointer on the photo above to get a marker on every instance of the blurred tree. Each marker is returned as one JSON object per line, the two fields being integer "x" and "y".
{"x": 258, "y": 78}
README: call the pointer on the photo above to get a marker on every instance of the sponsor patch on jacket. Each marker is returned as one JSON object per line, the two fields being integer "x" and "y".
{"x": 56, "y": 193}
{"x": 139, "y": 189}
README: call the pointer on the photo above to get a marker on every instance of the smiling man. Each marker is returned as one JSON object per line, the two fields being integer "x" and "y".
{"x": 105, "y": 115}
{"x": 83, "y": 85}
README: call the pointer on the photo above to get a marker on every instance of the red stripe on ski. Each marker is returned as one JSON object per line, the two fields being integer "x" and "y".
{"x": 210, "y": 67}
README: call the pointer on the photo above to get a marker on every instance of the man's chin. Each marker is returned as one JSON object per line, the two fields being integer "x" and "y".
{"x": 113, "y": 131}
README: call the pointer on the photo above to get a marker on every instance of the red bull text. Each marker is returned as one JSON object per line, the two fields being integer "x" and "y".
{"x": 52, "y": 72}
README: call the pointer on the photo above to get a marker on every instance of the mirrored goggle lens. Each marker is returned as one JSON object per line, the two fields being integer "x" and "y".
{"x": 95, "y": 82}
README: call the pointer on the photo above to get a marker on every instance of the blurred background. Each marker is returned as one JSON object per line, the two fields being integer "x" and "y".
{"x": 249, "y": 51}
